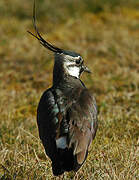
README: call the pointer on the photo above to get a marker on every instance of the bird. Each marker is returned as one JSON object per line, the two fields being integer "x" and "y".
{"x": 67, "y": 111}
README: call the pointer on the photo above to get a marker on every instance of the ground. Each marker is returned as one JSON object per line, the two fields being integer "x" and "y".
{"x": 106, "y": 34}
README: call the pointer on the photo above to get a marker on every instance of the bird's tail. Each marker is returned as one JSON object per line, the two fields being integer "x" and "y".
{"x": 65, "y": 161}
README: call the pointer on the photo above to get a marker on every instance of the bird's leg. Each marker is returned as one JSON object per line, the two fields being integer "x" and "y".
{"x": 76, "y": 177}
{"x": 62, "y": 177}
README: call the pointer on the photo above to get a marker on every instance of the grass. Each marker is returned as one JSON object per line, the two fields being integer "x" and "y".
{"x": 107, "y": 36}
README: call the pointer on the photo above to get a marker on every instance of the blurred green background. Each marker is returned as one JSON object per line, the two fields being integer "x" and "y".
{"x": 106, "y": 34}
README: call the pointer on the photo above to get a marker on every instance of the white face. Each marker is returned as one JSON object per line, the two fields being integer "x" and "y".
{"x": 71, "y": 67}
{"x": 72, "y": 70}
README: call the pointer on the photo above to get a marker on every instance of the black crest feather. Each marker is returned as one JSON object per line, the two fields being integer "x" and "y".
{"x": 40, "y": 38}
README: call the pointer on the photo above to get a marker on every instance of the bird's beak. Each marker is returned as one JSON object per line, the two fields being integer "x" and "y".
{"x": 86, "y": 69}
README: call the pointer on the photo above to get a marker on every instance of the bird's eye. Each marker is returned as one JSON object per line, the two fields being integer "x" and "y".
{"x": 78, "y": 61}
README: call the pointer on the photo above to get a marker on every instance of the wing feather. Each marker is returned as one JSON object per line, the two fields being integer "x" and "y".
{"x": 83, "y": 124}
{"x": 64, "y": 119}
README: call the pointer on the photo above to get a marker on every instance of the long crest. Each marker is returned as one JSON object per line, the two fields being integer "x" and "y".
{"x": 40, "y": 38}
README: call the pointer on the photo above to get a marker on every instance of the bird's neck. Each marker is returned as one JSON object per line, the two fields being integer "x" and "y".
{"x": 63, "y": 80}
{"x": 67, "y": 83}
{"x": 58, "y": 74}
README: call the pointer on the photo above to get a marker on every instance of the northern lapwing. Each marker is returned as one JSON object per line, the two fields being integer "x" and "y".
{"x": 67, "y": 112}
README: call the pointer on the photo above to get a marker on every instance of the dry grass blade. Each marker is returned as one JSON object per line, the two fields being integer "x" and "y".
{"x": 106, "y": 35}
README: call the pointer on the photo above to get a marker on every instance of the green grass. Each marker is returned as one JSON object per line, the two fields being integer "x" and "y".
{"x": 107, "y": 36}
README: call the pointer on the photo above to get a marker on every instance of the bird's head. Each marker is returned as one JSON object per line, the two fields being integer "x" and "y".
{"x": 71, "y": 63}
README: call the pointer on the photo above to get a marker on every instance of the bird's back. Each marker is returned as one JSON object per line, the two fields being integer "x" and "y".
{"x": 67, "y": 122}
